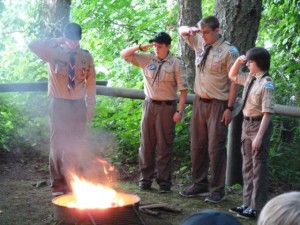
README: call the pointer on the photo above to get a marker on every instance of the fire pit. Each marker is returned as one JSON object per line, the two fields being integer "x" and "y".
{"x": 67, "y": 211}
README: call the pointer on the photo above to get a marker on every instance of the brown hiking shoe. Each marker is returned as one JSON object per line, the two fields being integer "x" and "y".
{"x": 194, "y": 190}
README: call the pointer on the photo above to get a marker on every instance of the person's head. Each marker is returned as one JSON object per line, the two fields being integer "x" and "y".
{"x": 258, "y": 59}
{"x": 72, "y": 33}
{"x": 162, "y": 44}
{"x": 281, "y": 210}
{"x": 209, "y": 29}
{"x": 211, "y": 217}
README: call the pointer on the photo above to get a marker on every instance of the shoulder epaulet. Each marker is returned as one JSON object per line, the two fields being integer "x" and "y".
{"x": 228, "y": 43}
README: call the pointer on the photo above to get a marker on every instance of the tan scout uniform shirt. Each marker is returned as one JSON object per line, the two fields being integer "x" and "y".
{"x": 58, "y": 70}
{"x": 213, "y": 82}
{"x": 261, "y": 97}
{"x": 172, "y": 75}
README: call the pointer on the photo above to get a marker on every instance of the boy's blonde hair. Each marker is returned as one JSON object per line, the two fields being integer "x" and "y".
{"x": 283, "y": 209}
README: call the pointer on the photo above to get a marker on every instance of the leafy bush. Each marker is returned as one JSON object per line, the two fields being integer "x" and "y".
{"x": 23, "y": 121}
{"x": 285, "y": 153}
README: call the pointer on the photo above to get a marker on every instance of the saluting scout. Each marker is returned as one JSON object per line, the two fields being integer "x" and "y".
{"x": 71, "y": 86}
{"x": 212, "y": 107}
{"x": 258, "y": 107}
{"x": 164, "y": 76}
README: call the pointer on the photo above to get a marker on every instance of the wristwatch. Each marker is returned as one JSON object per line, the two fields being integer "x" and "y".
{"x": 231, "y": 108}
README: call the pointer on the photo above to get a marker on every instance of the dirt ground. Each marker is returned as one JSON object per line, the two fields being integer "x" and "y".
{"x": 25, "y": 197}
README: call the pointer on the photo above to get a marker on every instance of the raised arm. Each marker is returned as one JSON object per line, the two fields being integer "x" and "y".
{"x": 128, "y": 52}
{"x": 235, "y": 67}
{"x": 42, "y": 47}
{"x": 188, "y": 31}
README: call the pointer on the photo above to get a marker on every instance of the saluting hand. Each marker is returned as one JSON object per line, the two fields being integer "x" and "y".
{"x": 242, "y": 59}
{"x": 145, "y": 47}
{"x": 193, "y": 31}
{"x": 60, "y": 41}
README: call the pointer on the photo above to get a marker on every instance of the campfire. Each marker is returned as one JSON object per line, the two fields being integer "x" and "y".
{"x": 88, "y": 195}
{"x": 94, "y": 202}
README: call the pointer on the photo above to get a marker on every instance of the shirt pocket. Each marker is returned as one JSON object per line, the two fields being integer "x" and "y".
{"x": 216, "y": 65}
{"x": 81, "y": 73}
{"x": 169, "y": 74}
{"x": 255, "y": 100}
{"x": 61, "y": 68}
{"x": 150, "y": 71}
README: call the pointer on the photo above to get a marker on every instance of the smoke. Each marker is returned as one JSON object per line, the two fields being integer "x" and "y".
{"x": 90, "y": 162}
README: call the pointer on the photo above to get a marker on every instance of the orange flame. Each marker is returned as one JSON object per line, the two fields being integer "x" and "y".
{"x": 90, "y": 195}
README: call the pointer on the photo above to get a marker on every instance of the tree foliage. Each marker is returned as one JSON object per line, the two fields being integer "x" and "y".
{"x": 280, "y": 30}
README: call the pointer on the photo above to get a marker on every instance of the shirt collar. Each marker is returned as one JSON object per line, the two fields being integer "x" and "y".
{"x": 218, "y": 42}
{"x": 168, "y": 57}
{"x": 260, "y": 75}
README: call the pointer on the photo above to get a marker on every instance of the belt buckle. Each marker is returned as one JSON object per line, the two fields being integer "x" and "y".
{"x": 155, "y": 102}
{"x": 206, "y": 100}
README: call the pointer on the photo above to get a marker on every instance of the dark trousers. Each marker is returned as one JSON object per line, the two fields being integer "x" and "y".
{"x": 208, "y": 145}
{"x": 157, "y": 136}
{"x": 255, "y": 165}
{"x": 67, "y": 132}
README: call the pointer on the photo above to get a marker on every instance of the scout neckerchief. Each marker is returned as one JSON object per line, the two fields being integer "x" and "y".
{"x": 206, "y": 51}
{"x": 252, "y": 79}
{"x": 71, "y": 78}
{"x": 158, "y": 70}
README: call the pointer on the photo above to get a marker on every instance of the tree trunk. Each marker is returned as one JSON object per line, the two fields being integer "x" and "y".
{"x": 55, "y": 14}
{"x": 189, "y": 15}
{"x": 239, "y": 21}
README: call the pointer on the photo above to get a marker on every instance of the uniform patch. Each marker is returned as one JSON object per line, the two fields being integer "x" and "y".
{"x": 268, "y": 79}
{"x": 219, "y": 50}
{"x": 151, "y": 67}
{"x": 269, "y": 85}
{"x": 233, "y": 50}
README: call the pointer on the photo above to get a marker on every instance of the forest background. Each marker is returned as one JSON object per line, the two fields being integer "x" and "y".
{"x": 108, "y": 27}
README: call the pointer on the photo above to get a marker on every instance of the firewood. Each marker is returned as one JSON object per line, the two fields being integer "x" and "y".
{"x": 151, "y": 206}
{"x": 149, "y": 212}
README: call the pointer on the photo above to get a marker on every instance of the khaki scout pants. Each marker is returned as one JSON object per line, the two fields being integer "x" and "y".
{"x": 67, "y": 130}
{"x": 157, "y": 135}
{"x": 255, "y": 165}
{"x": 208, "y": 145}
